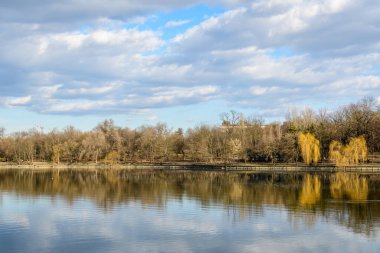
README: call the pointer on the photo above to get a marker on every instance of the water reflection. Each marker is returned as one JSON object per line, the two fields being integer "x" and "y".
{"x": 349, "y": 186}
{"x": 306, "y": 200}
{"x": 311, "y": 190}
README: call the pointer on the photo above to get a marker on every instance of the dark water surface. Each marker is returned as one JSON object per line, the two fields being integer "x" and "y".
{"x": 145, "y": 211}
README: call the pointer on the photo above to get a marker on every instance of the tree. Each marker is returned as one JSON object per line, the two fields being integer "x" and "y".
{"x": 112, "y": 157}
{"x": 354, "y": 152}
{"x": 310, "y": 148}
{"x": 232, "y": 118}
{"x": 179, "y": 143}
{"x": 238, "y": 138}
{"x": 56, "y": 153}
{"x": 288, "y": 148}
{"x": 336, "y": 153}
{"x": 357, "y": 150}
{"x": 198, "y": 144}
{"x": 235, "y": 147}
{"x": 93, "y": 146}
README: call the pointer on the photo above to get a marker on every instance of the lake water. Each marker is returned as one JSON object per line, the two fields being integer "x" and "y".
{"x": 145, "y": 211}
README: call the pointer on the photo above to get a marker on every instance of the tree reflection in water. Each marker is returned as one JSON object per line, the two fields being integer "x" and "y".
{"x": 341, "y": 198}
{"x": 349, "y": 186}
{"x": 311, "y": 190}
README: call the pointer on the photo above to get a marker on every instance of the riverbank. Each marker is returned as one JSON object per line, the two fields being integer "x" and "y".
{"x": 278, "y": 168}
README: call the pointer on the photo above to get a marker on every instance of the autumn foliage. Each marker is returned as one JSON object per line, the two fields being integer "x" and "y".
{"x": 239, "y": 138}
{"x": 310, "y": 148}
{"x": 351, "y": 154}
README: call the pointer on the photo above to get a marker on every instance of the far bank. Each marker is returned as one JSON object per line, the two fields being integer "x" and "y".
{"x": 258, "y": 167}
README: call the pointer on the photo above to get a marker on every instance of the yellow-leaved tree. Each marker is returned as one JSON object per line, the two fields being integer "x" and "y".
{"x": 357, "y": 150}
{"x": 336, "y": 153}
{"x": 310, "y": 148}
{"x": 354, "y": 152}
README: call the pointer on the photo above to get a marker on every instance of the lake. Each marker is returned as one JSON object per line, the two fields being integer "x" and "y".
{"x": 184, "y": 211}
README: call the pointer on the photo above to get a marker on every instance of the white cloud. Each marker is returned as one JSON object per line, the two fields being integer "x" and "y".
{"x": 292, "y": 69}
{"x": 258, "y": 90}
{"x": 101, "y": 61}
{"x": 176, "y": 23}
{"x": 71, "y": 12}
{"x": 175, "y": 94}
{"x": 210, "y": 24}
{"x": 138, "y": 41}
{"x": 49, "y": 91}
{"x": 90, "y": 91}
{"x": 19, "y": 101}
{"x": 359, "y": 85}
{"x": 301, "y": 14}
{"x": 77, "y": 106}
{"x": 114, "y": 98}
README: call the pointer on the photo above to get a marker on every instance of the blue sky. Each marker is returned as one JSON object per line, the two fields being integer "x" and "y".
{"x": 182, "y": 62}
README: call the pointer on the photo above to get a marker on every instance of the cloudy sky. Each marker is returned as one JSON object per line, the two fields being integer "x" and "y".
{"x": 77, "y": 62}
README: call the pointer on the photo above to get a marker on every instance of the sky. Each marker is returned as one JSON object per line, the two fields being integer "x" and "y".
{"x": 78, "y": 62}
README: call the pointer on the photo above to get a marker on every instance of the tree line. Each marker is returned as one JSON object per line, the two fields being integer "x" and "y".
{"x": 236, "y": 139}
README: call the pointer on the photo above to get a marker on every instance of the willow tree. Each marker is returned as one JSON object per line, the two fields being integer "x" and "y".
{"x": 336, "y": 153}
{"x": 310, "y": 148}
{"x": 354, "y": 152}
{"x": 357, "y": 150}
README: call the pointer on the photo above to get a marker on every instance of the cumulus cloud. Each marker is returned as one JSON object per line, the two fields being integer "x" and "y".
{"x": 360, "y": 85}
{"x": 93, "y": 57}
{"x": 114, "y": 98}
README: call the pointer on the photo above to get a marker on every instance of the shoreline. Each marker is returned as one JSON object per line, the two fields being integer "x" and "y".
{"x": 271, "y": 168}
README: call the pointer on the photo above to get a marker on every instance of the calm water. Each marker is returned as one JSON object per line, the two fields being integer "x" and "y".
{"x": 121, "y": 211}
